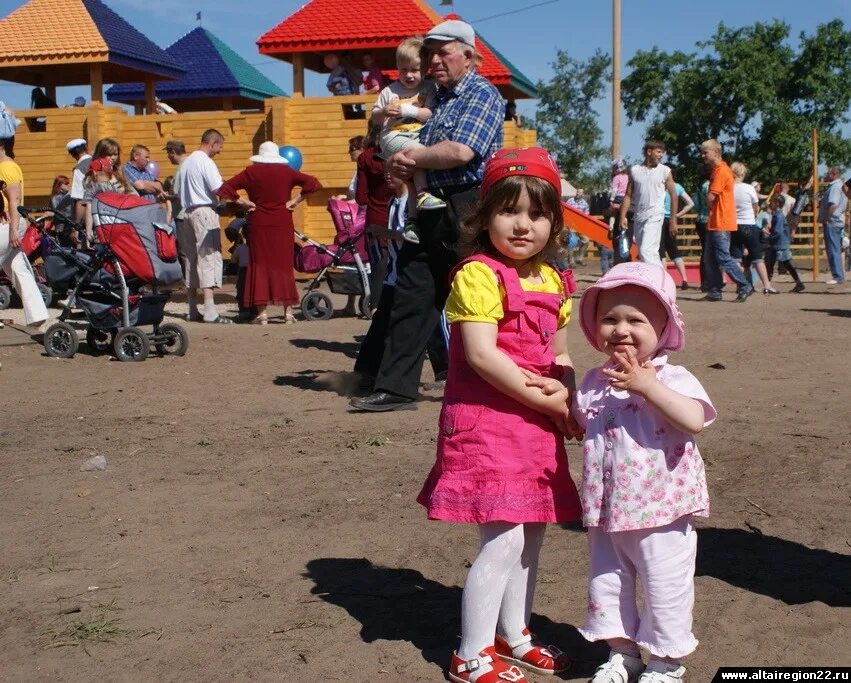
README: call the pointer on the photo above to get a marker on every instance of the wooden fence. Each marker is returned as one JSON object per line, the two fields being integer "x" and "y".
{"x": 802, "y": 243}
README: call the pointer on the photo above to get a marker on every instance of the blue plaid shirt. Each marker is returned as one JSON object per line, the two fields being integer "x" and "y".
{"x": 472, "y": 113}
{"x": 133, "y": 174}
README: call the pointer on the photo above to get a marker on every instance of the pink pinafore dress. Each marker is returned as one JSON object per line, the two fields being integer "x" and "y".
{"x": 498, "y": 460}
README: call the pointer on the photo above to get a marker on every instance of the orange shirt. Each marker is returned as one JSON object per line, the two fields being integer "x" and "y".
{"x": 722, "y": 215}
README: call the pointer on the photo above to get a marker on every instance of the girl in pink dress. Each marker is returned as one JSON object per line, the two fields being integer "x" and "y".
{"x": 643, "y": 480}
{"x": 501, "y": 461}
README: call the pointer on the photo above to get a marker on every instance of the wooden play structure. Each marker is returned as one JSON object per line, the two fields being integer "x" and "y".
{"x": 73, "y": 42}
{"x": 316, "y": 125}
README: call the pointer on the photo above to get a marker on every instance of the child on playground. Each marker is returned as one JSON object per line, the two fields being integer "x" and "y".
{"x": 501, "y": 461}
{"x": 402, "y": 108}
{"x": 780, "y": 239}
{"x": 235, "y": 232}
{"x": 643, "y": 480}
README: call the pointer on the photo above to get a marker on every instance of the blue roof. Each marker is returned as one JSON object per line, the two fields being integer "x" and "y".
{"x": 127, "y": 46}
{"x": 212, "y": 70}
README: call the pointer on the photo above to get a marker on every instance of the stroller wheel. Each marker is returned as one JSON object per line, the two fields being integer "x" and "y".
{"x": 46, "y": 294}
{"x": 5, "y": 297}
{"x": 60, "y": 340}
{"x": 365, "y": 307}
{"x": 131, "y": 344}
{"x": 99, "y": 341}
{"x": 177, "y": 341}
{"x": 317, "y": 306}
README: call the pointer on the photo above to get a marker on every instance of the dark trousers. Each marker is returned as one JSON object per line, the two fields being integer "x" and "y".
{"x": 372, "y": 348}
{"x": 245, "y": 312}
{"x": 701, "y": 235}
{"x": 377, "y": 264}
{"x": 422, "y": 287}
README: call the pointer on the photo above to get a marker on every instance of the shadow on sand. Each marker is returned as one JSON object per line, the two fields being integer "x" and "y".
{"x": 401, "y": 604}
{"x": 774, "y": 567}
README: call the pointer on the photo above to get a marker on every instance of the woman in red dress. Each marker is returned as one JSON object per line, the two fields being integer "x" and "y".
{"x": 269, "y": 182}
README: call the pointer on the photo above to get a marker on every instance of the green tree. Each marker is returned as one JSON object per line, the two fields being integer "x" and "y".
{"x": 567, "y": 122}
{"x": 751, "y": 90}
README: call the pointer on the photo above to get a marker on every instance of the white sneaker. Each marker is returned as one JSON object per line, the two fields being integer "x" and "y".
{"x": 832, "y": 282}
{"x": 619, "y": 669}
{"x": 674, "y": 676}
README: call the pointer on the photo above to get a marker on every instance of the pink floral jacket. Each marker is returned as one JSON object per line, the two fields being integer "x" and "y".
{"x": 638, "y": 471}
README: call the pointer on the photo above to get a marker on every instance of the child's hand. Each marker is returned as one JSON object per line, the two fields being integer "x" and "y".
{"x": 631, "y": 375}
{"x": 574, "y": 429}
{"x": 547, "y": 385}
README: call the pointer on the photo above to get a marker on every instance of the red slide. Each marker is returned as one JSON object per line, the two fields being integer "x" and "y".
{"x": 595, "y": 230}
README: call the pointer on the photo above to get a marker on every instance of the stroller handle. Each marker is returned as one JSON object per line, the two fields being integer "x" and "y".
{"x": 24, "y": 211}
{"x": 58, "y": 216}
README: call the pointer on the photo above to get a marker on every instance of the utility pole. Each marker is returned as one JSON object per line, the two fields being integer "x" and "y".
{"x": 616, "y": 78}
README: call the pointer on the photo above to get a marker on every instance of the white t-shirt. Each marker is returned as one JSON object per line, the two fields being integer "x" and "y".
{"x": 198, "y": 180}
{"x": 78, "y": 175}
{"x": 746, "y": 197}
{"x": 648, "y": 190}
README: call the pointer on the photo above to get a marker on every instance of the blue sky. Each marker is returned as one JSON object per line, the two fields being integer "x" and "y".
{"x": 528, "y": 38}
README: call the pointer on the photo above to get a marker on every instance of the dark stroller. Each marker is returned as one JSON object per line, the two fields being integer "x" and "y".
{"x": 136, "y": 249}
{"x": 344, "y": 264}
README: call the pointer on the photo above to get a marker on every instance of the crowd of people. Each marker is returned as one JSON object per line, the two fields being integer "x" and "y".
{"x": 739, "y": 229}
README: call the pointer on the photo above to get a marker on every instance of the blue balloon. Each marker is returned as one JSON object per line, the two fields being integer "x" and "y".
{"x": 292, "y": 155}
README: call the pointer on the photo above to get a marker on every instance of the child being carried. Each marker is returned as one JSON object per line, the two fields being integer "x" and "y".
{"x": 402, "y": 109}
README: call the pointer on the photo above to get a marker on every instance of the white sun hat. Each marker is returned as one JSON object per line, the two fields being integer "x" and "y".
{"x": 268, "y": 154}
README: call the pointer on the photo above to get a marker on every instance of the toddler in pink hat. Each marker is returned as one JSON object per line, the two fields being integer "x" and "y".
{"x": 643, "y": 479}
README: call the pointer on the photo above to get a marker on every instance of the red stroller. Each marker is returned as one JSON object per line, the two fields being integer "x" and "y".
{"x": 344, "y": 264}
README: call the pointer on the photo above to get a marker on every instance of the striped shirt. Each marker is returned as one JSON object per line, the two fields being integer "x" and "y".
{"x": 471, "y": 113}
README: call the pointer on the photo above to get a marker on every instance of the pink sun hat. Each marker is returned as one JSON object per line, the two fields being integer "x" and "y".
{"x": 650, "y": 277}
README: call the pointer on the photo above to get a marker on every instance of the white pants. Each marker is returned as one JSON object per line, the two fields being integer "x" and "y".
{"x": 663, "y": 559}
{"x": 18, "y": 268}
{"x": 648, "y": 234}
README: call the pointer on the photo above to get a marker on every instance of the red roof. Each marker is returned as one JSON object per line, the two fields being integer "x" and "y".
{"x": 377, "y": 26}
{"x": 349, "y": 25}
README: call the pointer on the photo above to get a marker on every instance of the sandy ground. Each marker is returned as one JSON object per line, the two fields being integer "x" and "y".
{"x": 248, "y": 527}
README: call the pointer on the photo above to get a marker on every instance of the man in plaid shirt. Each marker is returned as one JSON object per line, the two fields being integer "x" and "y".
{"x": 465, "y": 129}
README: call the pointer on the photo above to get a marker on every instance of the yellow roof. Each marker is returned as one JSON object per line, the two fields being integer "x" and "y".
{"x": 51, "y": 32}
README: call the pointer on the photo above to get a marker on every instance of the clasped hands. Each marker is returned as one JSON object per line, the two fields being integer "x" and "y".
{"x": 556, "y": 403}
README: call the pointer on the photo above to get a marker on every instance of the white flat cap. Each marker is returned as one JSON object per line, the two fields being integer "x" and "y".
{"x": 453, "y": 29}
{"x": 76, "y": 142}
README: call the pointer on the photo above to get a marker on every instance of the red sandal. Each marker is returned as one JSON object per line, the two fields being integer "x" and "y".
{"x": 542, "y": 660}
{"x": 460, "y": 670}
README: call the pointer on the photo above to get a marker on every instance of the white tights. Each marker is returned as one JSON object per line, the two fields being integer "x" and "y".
{"x": 500, "y": 586}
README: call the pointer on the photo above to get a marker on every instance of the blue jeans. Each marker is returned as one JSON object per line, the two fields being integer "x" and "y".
{"x": 717, "y": 259}
{"x": 833, "y": 247}
{"x": 606, "y": 258}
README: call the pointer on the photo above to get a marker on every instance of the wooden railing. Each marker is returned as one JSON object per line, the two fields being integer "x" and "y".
{"x": 802, "y": 243}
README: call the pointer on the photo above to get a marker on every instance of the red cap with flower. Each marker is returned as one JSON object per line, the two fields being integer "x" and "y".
{"x": 530, "y": 161}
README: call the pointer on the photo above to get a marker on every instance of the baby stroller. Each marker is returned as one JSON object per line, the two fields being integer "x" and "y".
{"x": 31, "y": 244}
{"x": 344, "y": 264}
{"x": 136, "y": 249}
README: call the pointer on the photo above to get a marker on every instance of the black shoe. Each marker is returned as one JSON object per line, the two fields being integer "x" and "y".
{"x": 684, "y": 286}
{"x": 799, "y": 287}
{"x": 382, "y": 402}
{"x": 743, "y": 295}
{"x": 712, "y": 297}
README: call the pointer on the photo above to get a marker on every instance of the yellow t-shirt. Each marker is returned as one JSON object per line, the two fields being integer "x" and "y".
{"x": 11, "y": 173}
{"x": 476, "y": 296}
